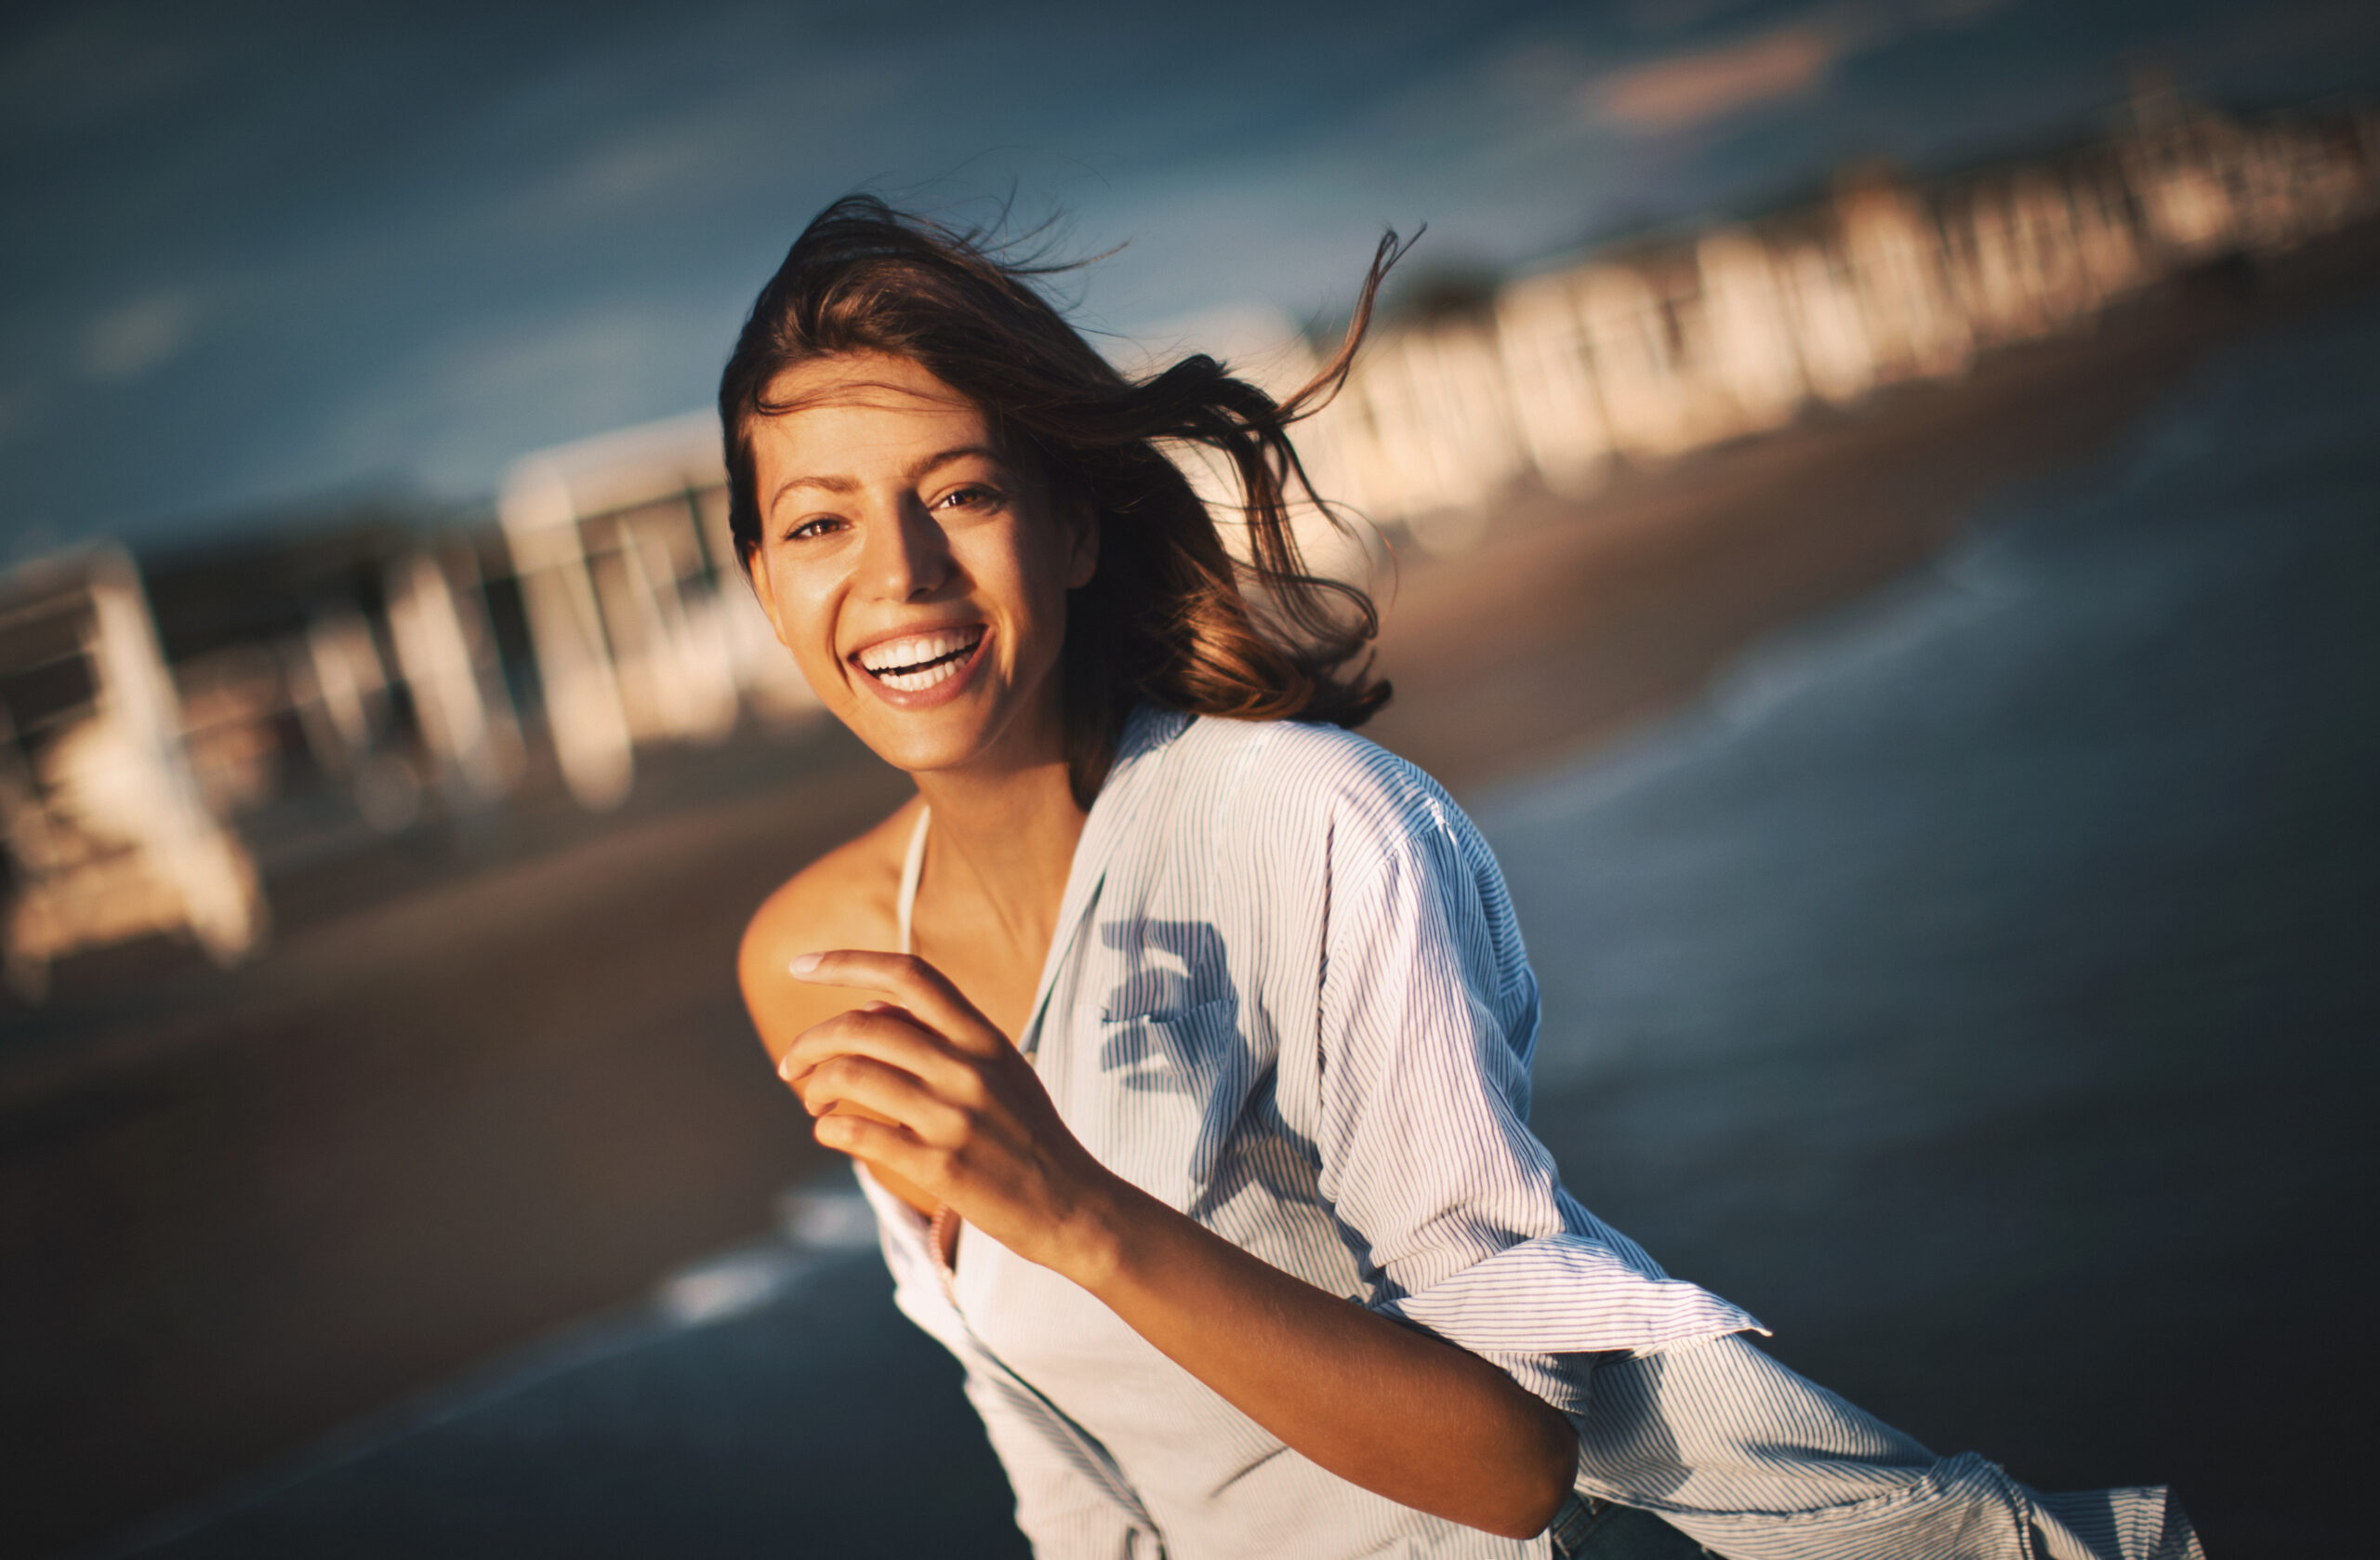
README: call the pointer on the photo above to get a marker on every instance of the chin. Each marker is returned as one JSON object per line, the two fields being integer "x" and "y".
{"x": 922, "y": 742}
{"x": 920, "y": 755}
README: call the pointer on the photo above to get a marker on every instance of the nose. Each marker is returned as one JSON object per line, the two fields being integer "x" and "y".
{"x": 906, "y": 557}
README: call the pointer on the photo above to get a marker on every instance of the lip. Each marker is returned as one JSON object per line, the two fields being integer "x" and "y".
{"x": 941, "y": 693}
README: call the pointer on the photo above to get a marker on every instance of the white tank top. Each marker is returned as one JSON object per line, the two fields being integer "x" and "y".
{"x": 942, "y": 1233}
{"x": 910, "y": 871}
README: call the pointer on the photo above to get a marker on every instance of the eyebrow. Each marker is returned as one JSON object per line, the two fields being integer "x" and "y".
{"x": 851, "y": 484}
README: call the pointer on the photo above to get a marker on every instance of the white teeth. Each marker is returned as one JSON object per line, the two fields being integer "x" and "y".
{"x": 922, "y": 659}
{"x": 918, "y": 681}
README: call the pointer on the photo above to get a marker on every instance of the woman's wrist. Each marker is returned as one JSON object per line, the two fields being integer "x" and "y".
{"x": 1095, "y": 1242}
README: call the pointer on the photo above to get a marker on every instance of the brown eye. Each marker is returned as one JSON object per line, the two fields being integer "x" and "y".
{"x": 969, "y": 497}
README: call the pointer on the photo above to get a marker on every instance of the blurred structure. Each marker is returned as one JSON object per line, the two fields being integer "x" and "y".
{"x": 445, "y": 653}
{"x": 358, "y": 670}
{"x": 108, "y": 835}
{"x": 644, "y": 629}
{"x": 360, "y": 664}
{"x": 1647, "y": 352}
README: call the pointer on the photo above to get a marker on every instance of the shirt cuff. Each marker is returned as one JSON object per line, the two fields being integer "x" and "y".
{"x": 1564, "y": 1294}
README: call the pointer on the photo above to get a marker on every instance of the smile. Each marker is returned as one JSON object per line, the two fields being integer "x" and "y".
{"x": 920, "y": 661}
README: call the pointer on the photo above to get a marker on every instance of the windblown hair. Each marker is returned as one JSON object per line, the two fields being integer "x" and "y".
{"x": 1168, "y": 617}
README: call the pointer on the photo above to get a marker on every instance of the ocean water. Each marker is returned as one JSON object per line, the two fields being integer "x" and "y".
{"x": 1978, "y": 985}
{"x": 2037, "y": 755}
{"x": 1982, "y": 984}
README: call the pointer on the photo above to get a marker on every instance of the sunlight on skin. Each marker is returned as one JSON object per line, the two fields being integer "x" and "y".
{"x": 889, "y": 510}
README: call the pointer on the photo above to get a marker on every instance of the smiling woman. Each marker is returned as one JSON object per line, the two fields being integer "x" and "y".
{"x": 918, "y": 574}
{"x": 1181, "y": 1036}
{"x": 873, "y": 318}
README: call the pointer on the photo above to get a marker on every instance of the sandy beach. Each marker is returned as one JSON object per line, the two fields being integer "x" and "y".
{"x": 496, "y": 1094}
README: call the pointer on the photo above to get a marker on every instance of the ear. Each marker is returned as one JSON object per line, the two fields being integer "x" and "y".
{"x": 1082, "y": 541}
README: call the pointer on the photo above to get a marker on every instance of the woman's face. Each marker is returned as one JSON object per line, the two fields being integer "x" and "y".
{"x": 919, "y": 578}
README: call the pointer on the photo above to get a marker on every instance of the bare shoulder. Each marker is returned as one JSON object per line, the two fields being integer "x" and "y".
{"x": 845, "y": 899}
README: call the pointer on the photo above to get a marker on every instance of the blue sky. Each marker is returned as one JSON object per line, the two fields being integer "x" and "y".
{"x": 261, "y": 254}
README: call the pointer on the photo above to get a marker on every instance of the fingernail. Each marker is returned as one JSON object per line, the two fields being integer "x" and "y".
{"x": 785, "y": 1066}
{"x": 805, "y": 965}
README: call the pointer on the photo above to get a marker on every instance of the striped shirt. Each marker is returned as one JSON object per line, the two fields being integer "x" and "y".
{"x": 1288, "y": 997}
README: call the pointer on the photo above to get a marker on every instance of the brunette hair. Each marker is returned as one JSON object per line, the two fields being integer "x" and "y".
{"x": 1168, "y": 617}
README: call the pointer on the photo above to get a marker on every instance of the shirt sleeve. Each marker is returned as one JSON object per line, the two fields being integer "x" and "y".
{"x": 1428, "y": 1021}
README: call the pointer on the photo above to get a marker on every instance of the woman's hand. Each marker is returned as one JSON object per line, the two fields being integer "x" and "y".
{"x": 953, "y": 1109}
{"x": 920, "y": 1084}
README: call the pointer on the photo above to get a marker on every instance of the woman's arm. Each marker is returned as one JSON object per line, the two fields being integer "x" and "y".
{"x": 964, "y": 1118}
{"x": 1395, "y": 1410}
{"x": 840, "y": 901}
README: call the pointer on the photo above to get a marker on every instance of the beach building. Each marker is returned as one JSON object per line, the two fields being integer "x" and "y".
{"x": 644, "y": 629}
{"x": 1650, "y": 352}
{"x": 108, "y": 837}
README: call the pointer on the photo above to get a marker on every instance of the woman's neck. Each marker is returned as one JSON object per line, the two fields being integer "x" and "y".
{"x": 1001, "y": 848}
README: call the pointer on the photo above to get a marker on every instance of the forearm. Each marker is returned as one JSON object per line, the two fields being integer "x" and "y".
{"x": 1395, "y": 1410}
{"x": 952, "y": 1109}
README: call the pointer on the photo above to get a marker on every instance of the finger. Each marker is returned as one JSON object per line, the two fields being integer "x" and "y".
{"x": 873, "y": 1027}
{"x": 886, "y": 1147}
{"x": 887, "y": 1035}
{"x": 851, "y": 1084}
{"x": 896, "y": 1096}
{"x": 909, "y": 981}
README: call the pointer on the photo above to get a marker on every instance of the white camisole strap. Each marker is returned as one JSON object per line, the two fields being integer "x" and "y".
{"x": 911, "y": 870}
{"x": 941, "y": 1233}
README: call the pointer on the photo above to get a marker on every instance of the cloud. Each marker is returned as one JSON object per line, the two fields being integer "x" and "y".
{"x": 1679, "y": 90}
{"x": 1670, "y": 16}
{"x": 131, "y": 339}
{"x": 1713, "y": 81}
